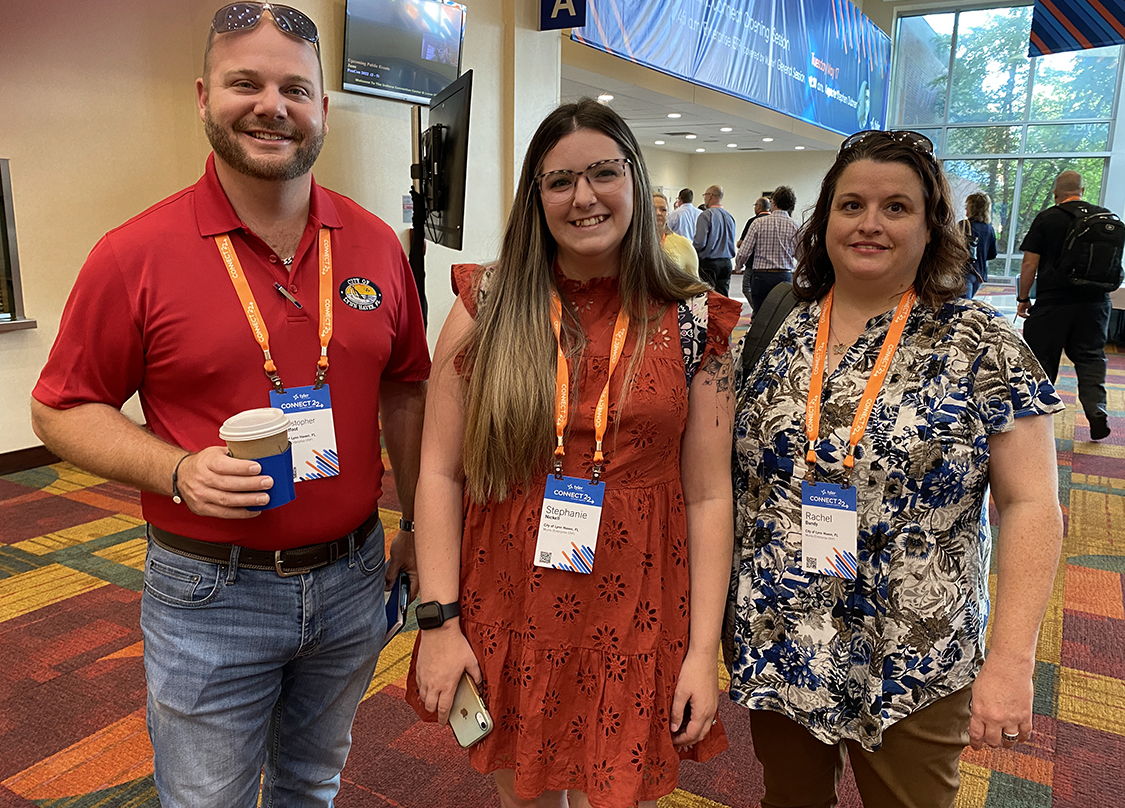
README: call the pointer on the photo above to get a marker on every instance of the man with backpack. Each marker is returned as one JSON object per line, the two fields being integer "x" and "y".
{"x": 1073, "y": 254}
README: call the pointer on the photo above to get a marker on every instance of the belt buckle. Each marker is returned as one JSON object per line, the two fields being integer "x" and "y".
{"x": 284, "y": 573}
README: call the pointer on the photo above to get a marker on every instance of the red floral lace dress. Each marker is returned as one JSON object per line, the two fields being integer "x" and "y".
{"x": 580, "y": 670}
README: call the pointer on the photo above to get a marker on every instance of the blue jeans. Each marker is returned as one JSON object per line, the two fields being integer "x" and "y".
{"x": 761, "y": 284}
{"x": 248, "y": 670}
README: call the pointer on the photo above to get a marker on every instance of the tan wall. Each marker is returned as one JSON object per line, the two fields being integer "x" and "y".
{"x": 98, "y": 119}
{"x": 744, "y": 177}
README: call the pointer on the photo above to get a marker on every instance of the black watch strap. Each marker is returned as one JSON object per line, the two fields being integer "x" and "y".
{"x": 1023, "y": 299}
{"x": 406, "y": 524}
{"x": 432, "y": 614}
{"x": 177, "y": 497}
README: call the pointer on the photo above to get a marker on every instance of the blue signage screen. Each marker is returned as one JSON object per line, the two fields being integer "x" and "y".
{"x": 821, "y": 61}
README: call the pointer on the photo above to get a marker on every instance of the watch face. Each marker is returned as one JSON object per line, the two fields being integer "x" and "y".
{"x": 429, "y": 615}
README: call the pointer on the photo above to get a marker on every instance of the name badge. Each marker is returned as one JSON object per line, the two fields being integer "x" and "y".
{"x": 312, "y": 431}
{"x": 568, "y": 525}
{"x": 829, "y": 529}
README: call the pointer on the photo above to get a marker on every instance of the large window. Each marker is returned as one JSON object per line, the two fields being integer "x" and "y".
{"x": 11, "y": 300}
{"x": 1002, "y": 123}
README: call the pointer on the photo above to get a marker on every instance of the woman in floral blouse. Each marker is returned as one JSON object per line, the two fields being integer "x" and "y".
{"x": 866, "y": 441}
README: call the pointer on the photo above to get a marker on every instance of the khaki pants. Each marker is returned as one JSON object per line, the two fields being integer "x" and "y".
{"x": 916, "y": 767}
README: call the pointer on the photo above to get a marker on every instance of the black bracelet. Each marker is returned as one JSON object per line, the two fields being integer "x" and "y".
{"x": 1023, "y": 299}
{"x": 176, "y": 497}
{"x": 406, "y": 524}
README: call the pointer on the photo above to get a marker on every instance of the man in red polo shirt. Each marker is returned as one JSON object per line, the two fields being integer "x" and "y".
{"x": 253, "y": 288}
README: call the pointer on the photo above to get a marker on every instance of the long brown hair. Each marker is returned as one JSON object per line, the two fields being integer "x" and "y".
{"x": 510, "y": 351}
{"x": 941, "y": 276}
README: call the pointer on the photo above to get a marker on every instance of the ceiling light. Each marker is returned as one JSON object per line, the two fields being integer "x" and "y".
{"x": 726, "y": 129}
{"x": 701, "y": 150}
{"x": 690, "y": 137}
{"x": 799, "y": 148}
{"x": 732, "y": 145}
{"x": 767, "y": 140}
{"x": 659, "y": 142}
{"x": 605, "y": 98}
{"x": 673, "y": 114}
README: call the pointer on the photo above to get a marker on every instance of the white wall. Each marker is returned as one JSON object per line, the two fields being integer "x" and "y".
{"x": 98, "y": 119}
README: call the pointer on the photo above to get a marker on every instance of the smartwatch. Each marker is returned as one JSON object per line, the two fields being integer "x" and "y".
{"x": 432, "y": 614}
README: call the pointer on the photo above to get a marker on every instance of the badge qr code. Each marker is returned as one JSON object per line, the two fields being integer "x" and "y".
{"x": 544, "y": 557}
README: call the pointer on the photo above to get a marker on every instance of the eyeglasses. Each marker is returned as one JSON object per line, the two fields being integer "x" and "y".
{"x": 244, "y": 16}
{"x": 604, "y": 177}
{"x": 913, "y": 140}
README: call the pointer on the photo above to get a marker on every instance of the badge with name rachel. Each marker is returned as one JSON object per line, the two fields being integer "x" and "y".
{"x": 312, "y": 431}
{"x": 829, "y": 529}
{"x": 568, "y": 525}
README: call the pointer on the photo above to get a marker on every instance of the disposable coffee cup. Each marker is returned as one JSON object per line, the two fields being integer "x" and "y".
{"x": 257, "y": 433}
{"x": 262, "y": 434}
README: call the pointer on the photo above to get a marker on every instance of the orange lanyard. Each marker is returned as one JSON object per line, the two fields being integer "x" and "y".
{"x": 562, "y": 386}
{"x": 253, "y": 313}
{"x": 870, "y": 392}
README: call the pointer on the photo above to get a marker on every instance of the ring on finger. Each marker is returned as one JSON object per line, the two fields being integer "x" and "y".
{"x": 1010, "y": 737}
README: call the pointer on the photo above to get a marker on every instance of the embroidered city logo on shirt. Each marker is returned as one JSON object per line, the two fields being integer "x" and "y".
{"x": 360, "y": 293}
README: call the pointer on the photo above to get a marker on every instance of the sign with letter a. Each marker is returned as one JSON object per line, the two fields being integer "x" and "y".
{"x": 556, "y": 14}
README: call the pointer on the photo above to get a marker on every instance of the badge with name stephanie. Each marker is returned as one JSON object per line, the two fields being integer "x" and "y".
{"x": 568, "y": 525}
{"x": 829, "y": 529}
{"x": 312, "y": 431}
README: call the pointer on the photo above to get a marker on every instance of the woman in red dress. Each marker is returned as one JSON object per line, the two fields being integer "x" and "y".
{"x": 589, "y": 659}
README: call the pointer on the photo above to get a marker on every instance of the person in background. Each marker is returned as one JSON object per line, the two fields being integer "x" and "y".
{"x": 714, "y": 241}
{"x": 769, "y": 249}
{"x": 867, "y": 440}
{"x": 601, "y": 675}
{"x": 676, "y": 247}
{"x": 981, "y": 238}
{"x": 761, "y": 208}
{"x": 261, "y": 628}
{"x": 1066, "y": 317}
{"x": 682, "y": 219}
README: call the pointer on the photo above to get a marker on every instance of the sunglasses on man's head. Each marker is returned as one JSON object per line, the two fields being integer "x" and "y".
{"x": 913, "y": 140}
{"x": 244, "y": 16}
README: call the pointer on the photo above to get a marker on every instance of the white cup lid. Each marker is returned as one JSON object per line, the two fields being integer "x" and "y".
{"x": 262, "y": 422}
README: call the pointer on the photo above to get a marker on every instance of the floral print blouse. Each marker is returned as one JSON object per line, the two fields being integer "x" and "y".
{"x": 846, "y": 659}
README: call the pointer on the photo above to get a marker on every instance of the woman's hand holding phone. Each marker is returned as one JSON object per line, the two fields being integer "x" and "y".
{"x": 443, "y": 655}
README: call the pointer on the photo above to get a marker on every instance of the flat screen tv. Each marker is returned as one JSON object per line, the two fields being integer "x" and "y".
{"x": 408, "y": 50}
{"x": 445, "y": 160}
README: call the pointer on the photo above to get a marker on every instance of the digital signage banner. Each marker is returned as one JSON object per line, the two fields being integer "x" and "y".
{"x": 821, "y": 61}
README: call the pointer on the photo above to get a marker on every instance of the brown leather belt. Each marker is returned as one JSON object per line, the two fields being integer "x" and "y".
{"x": 286, "y": 563}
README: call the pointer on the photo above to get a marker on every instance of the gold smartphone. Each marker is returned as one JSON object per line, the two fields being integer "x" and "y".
{"x": 469, "y": 716}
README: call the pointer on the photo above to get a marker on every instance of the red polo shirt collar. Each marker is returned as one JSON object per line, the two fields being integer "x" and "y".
{"x": 215, "y": 214}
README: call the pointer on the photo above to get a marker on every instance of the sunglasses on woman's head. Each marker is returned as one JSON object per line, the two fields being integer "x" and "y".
{"x": 913, "y": 140}
{"x": 244, "y": 16}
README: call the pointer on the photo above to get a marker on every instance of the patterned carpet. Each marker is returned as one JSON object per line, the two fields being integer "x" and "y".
{"x": 72, "y": 729}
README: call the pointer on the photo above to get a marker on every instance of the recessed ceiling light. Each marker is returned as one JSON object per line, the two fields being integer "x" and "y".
{"x": 690, "y": 137}
{"x": 659, "y": 142}
{"x": 799, "y": 148}
{"x": 726, "y": 129}
{"x": 732, "y": 145}
{"x": 701, "y": 150}
{"x": 767, "y": 140}
{"x": 673, "y": 114}
{"x": 605, "y": 98}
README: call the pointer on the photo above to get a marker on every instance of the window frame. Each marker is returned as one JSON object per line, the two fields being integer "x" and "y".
{"x": 1009, "y": 251}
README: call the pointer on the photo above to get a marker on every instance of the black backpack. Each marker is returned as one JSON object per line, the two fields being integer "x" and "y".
{"x": 1092, "y": 246}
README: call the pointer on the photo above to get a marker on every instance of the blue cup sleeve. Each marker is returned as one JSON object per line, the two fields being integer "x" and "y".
{"x": 280, "y": 467}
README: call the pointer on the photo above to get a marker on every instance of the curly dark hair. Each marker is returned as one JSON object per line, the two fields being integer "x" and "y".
{"x": 784, "y": 199}
{"x": 941, "y": 275}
